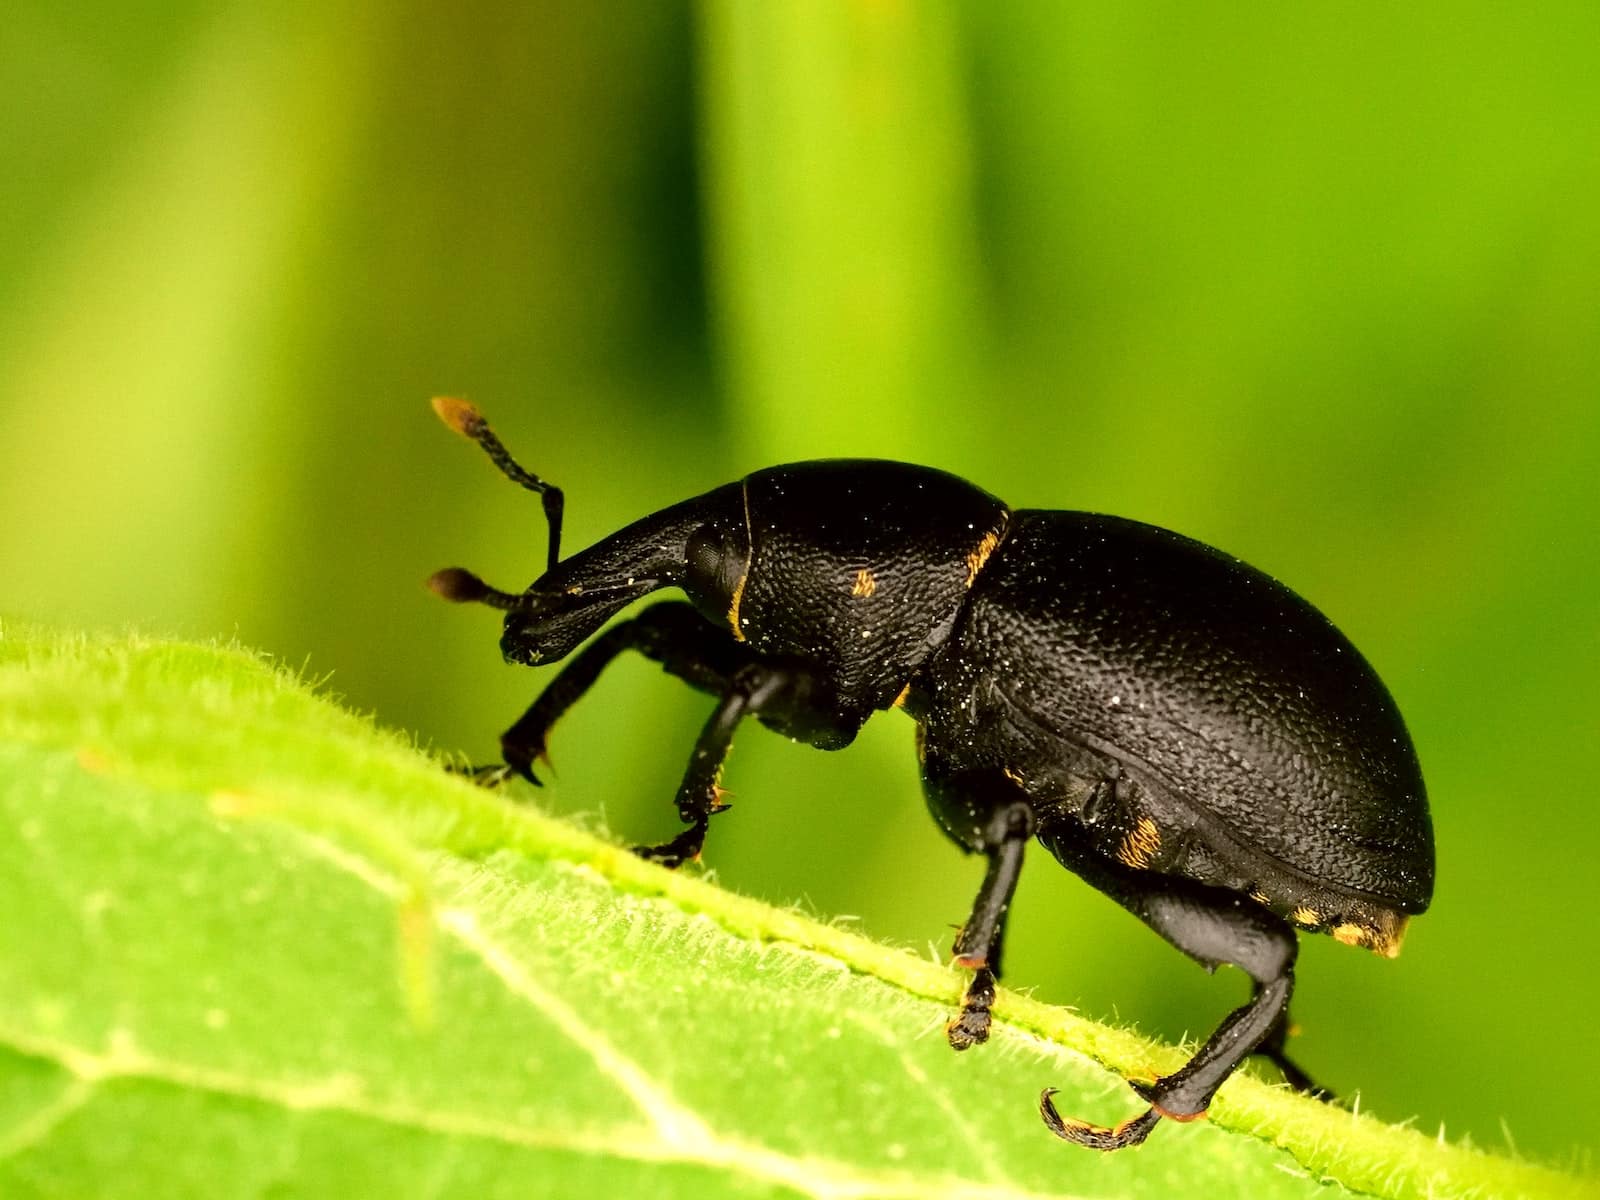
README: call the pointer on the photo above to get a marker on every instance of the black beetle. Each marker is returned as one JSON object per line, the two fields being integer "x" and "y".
{"x": 1176, "y": 727}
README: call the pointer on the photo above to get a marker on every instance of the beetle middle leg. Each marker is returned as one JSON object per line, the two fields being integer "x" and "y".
{"x": 754, "y": 688}
{"x": 984, "y": 812}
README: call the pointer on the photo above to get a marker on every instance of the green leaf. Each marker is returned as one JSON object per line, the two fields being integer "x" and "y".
{"x": 255, "y": 946}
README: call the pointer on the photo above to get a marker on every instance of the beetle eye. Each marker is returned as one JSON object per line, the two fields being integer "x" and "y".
{"x": 715, "y": 562}
{"x": 704, "y": 553}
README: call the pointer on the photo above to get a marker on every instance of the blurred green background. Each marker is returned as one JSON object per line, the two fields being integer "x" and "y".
{"x": 1319, "y": 286}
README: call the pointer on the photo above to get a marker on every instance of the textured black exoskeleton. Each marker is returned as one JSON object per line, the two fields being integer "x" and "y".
{"x": 1179, "y": 729}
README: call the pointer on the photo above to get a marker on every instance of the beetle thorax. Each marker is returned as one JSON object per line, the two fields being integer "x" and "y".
{"x": 858, "y": 568}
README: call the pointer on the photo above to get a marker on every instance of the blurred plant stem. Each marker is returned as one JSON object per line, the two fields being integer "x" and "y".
{"x": 844, "y": 268}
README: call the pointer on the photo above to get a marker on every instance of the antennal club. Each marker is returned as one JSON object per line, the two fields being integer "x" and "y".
{"x": 465, "y": 419}
{"x": 460, "y": 586}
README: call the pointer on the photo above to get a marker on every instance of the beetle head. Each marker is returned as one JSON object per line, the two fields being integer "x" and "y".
{"x": 577, "y": 595}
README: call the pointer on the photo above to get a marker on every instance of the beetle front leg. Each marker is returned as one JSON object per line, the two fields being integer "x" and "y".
{"x": 674, "y": 634}
{"x": 979, "y": 943}
{"x": 671, "y": 633}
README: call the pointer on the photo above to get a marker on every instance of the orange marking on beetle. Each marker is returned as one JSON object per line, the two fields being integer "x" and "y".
{"x": 978, "y": 557}
{"x": 1139, "y": 845}
{"x": 900, "y": 700}
{"x": 733, "y": 608}
{"x": 1391, "y": 939}
{"x": 749, "y": 558}
{"x": 866, "y": 583}
{"x": 1351, "y": 934}
{"x": 1309, "y": 917}
{"x": 1384, "y": 939}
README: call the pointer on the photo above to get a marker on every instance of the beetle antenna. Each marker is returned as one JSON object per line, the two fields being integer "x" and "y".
{"x": 463, "y": 588}
{"x": 464, "y": 417}
{"x": 460, "y": 586}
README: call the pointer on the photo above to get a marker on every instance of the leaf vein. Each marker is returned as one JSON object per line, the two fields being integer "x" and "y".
{"x": 673, "y": 1123}
{"x": 680, "y": 1134}
{"x": 38, "y": 1125}
{"x": 821, "y": 1178}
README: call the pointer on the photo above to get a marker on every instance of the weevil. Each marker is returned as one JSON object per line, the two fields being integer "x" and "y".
{"x": 1176, "y": 727}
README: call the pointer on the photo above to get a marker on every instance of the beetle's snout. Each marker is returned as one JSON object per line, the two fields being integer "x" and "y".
{"x": 517, "y": 651}
{"x": 526, "y": 640}
{"x": 551, "y": 624}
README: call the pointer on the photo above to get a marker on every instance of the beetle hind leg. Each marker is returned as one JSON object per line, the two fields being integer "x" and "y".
{"x": 1095, "y": 1137}
{"x": 1272, "y": 1049}
{"x": 1212, "y": 927}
